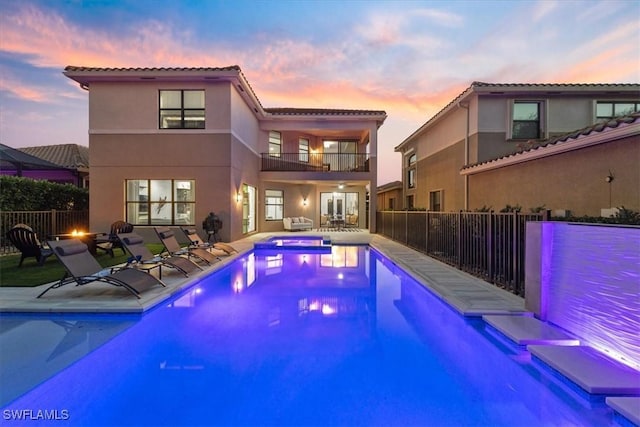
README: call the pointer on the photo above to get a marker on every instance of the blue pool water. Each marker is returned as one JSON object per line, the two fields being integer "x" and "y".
{"x": 294, "y": 338}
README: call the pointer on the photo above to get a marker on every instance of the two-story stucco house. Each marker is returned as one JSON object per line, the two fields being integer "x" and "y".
{"x": 490, "y": 121}
{"x": 169, "y": 145}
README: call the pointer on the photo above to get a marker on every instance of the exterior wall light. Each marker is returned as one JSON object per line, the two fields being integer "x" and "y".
{"x": 238, "y": 197}
{"x": 304, "y": 202}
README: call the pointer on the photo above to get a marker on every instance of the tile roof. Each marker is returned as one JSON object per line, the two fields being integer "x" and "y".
{"x": 137, "y": 69}
{"x": 541, "y": 146}
{"x": 130, "y": 72}
{"x": 551, "y": 88}
{"x": 322, "y": 111}
{"x": 71, "y": 156}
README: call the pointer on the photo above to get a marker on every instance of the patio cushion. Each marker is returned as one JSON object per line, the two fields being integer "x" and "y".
{"x": 133, "y": 240}
{"x": 72, "y": 249}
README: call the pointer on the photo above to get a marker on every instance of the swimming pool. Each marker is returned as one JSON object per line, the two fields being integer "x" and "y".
{"x": 294, "y": 338}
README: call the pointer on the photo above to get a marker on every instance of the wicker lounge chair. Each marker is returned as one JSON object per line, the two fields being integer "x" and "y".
{"x": 218, "y": 249}
{"x": 82, "y": 268}
{"x": 26, "y": 241}
{"x": 143, "y": 258}
{"x": 173, "y": 247}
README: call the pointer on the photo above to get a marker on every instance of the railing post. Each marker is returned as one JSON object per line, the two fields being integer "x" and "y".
{"x": 490, "y": 246}
{"x": 459, "y": 240}
{"x": 406, "y": 227}
{"x": 54, "y": 222}
{"x": 426, "y": 232}
{"x": 515, "y": 252}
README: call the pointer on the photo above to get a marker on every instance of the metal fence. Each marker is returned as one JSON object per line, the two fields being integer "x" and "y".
{"x": 488, "y": 245}
{"x": 44, "y": 223}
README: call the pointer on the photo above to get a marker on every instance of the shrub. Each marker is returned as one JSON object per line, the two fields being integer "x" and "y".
{"x": 24, "y": 194}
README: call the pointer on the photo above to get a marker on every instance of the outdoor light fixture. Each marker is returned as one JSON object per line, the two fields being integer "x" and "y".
{"x": 304, "y": 202}
{"x": 238, "y": 197}
{"x": 341, "y": 186}
{"x": 609, "y": 177}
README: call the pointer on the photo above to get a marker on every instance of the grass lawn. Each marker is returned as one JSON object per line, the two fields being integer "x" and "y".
{"x": 30, "y": 274}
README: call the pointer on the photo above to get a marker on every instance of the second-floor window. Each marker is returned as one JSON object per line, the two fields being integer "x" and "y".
{"x": 411, "y": 172}
{"x": 303, "y": 150}
{"x": 275, "y": 143}
{"x": 526, "y": 120}
{"x": 411, "y": 178}
{"x": 274, "y": 204}
{"x": 606, "y": 110}
{"x": 182, "y": 109}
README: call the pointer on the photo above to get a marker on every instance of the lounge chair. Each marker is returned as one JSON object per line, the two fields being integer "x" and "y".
{"x": 143, "y": 258}
{"x": 218, "y": 249}
{"x": 173, "y": 247}
{"x": 26, "y": 241}
{"x": 82, "y": 268}
{"x": 111, "y": 241}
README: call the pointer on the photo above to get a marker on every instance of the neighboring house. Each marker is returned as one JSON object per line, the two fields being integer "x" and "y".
{"x": 490, "y": 121}
{"x": 73, "y": 157}
{"x": 169, "y": 145}
{"x": 587, "y": 172}
{"x": 390, "y": 196}
{"x": 18, "y": 163}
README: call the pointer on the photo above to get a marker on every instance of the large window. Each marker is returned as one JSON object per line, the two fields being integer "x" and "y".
{"x": 182, "y": 109}
{"x": 160, "y": 201}
{"x": 274, "y": 205}
{"x": 606, "y": 110}
{"x": 275, "y": 144}
{"x": 303, "y": 150}
{"x": 526, "y": 120}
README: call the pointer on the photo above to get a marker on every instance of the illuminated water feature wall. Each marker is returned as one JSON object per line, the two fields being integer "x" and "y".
{"x": 585, "y": 279}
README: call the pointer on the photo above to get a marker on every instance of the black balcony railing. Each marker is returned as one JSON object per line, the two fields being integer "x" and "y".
{"x": 332, "y": 162}
{"x": 488, "y": 245}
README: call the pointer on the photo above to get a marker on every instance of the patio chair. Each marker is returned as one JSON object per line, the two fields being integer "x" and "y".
{"x": 173, "y": 247}
{"x": 111, "y": 241}
{"x": 143, "y": 258}
{"x": 26, "y": 241}
{"x": 196, "y": 241}
{"x": 82, "y": 268}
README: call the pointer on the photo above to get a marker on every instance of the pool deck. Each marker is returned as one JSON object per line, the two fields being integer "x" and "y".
{"x": 468, "y": 295}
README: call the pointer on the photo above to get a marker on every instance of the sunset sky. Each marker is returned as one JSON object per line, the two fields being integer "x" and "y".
{"x": 409, "y": 58}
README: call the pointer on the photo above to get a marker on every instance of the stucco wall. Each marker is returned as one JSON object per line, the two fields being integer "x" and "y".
{"x": 573, "y": 181}
{"x": 116, "y": 158}
{"x": 440, "y": 172}
{"x": 134, "y": 106}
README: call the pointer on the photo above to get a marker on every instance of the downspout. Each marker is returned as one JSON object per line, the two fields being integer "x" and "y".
{"x": 465, "y": 105}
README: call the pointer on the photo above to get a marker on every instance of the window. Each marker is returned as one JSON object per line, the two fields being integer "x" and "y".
{"x": 411, "y": 178}
{"x": 274, "y": 205}
{"x": 275, "y": 144}
{"x": 526, "y": 120}
{"x": 435, "y": 201}
{"x": 411, "y": 173}
{"x": 182, "y": 109}
{"x": 160, "y": 201}
{"x": 303, "y": 150}
{"x": 409, "y": 202}
{"x": 606, "y": 110}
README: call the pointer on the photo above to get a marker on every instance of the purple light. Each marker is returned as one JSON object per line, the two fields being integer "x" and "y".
{"x": 590, "y": 285}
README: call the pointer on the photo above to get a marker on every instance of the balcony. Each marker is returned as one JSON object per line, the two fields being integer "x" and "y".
{"x": 316, "y": 162}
